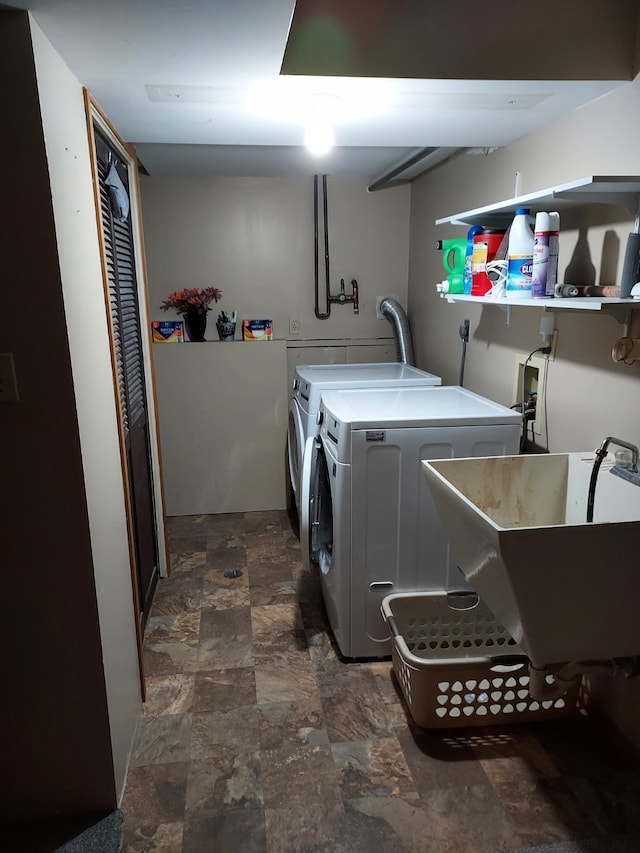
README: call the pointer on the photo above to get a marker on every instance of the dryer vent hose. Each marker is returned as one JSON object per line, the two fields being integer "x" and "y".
{"x": 394, "y": 312}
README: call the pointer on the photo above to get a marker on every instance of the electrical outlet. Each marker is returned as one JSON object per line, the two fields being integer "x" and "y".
{"x": 554, "y": 341}
{"x": 8, "y": 383}
{"x": 535, "y": 380}
{"x": 294, "y": 327}
{"x": 380, "y": 299}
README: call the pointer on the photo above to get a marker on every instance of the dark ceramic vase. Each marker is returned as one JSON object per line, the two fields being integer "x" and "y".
{"x": 195, "y": 323}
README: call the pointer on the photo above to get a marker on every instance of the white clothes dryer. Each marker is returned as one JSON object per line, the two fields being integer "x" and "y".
{"x": 311, "y": 380}
{"x": 368, "y": 520}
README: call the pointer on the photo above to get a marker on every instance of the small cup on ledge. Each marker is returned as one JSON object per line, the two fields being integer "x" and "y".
{"x": 226, "y": 331}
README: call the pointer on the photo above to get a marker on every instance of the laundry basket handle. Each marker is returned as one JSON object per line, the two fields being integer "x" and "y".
{"x": 462, "y": 599}
{"x": 507, "y": 663}
{"x": 393, "y": 625}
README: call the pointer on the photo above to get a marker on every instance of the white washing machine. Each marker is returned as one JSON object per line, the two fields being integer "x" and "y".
{"x": 312, "y": 380}
{"x": 367, "y": 516}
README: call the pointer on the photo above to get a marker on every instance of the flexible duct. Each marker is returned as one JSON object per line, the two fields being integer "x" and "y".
{"x": 394, "y": 312}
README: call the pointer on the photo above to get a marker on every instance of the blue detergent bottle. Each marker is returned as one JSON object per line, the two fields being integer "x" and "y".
{"x": 468, "y": 268}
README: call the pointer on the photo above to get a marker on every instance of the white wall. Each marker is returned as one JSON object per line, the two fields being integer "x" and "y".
{"x": 57, "y": 709}
{"x": 254, "y": 238}
{"x": 588, "y": 395}
{"x": 67, "y": 148}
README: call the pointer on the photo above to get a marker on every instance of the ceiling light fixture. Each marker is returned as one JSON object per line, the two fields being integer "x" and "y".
{"x": 321, "y": 112}
{"x": 318, "y": 104}
{"x": 318, "y": 137}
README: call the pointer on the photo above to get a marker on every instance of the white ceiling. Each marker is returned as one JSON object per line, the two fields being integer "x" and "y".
{"x": 192, "y": 83}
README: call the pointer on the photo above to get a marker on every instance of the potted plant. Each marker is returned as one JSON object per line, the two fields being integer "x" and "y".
{"x": 193, "y": 304}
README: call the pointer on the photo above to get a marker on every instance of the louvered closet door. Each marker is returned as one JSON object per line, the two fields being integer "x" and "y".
{"x": 123, "y": 294}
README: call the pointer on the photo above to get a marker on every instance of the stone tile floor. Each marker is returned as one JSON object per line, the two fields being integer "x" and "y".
{"x": 257, "y": 738}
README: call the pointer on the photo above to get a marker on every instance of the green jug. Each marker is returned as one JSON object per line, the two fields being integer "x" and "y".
{"x": 453, "y": 252}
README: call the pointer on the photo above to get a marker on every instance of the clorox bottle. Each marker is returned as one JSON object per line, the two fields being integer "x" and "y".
{"x": 520, "y": 255}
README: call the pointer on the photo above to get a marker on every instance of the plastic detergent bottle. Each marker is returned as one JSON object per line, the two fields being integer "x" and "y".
{"x": 485, "y": 245}
{"x": 467, "y": 274}
{"x": 453, "y": 252}
{"x": 545, "y": 254}
{"x": 520, "y": 255}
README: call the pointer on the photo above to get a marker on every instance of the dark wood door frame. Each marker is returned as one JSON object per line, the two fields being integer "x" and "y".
{"x": 127, "y": 155}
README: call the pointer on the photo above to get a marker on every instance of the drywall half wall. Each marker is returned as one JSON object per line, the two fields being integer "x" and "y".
{"x": 588, "y": 395}
{"x": 223, "y": 421}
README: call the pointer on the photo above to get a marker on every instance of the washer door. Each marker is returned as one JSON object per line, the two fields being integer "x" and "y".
{"x": 295, "y": 449}
{"x": 316, "y": 508}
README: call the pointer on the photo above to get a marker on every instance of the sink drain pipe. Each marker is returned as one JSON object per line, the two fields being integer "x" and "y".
{"x": 394, "y": 312}
{"x": 542, "y": 689}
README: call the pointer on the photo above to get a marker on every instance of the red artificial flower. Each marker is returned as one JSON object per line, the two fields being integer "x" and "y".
{"x": 192, "y": 299}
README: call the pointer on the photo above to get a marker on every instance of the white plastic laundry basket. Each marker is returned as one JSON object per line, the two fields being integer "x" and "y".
{"x": 458, "y": 666}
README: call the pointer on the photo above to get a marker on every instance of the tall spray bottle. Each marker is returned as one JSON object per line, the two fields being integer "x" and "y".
{"x": 520, "y": 255}
{"x": 545, "y": 255}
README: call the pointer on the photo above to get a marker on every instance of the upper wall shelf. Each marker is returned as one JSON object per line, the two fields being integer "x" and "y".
{"x": 604, "y": 189}
{"x": 618, "y": 308}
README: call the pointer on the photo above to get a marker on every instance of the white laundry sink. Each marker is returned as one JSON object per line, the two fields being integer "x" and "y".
{"x": 564, "y": 589}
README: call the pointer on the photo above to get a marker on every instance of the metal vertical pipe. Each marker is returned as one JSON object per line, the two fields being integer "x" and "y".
{"x": 315, "y": 240}
{"x": 325, "y": 212}
{"x": 319, "y": 314}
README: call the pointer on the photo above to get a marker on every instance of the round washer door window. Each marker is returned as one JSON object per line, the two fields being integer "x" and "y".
{"x": 295, "y": 449}
{"x": 322, "y": 514}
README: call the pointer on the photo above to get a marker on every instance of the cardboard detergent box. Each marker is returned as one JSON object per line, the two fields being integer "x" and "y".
{"x": 257, "y": 330}
{"x": 167, "y": 331}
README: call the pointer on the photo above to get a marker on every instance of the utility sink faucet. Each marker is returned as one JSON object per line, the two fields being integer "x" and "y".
{"x": 601, "y": 452}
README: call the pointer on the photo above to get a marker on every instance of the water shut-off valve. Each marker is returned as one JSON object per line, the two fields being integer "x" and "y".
{"x": 342, "y": 297}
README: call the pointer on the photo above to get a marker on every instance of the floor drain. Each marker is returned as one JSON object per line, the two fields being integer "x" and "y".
{"x": 233, "y": 573}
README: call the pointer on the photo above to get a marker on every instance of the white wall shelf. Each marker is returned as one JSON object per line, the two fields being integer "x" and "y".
{"x": 619, "y": 308}
{"x": 604, "y": 189}
{"x": 622, "y": 190}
